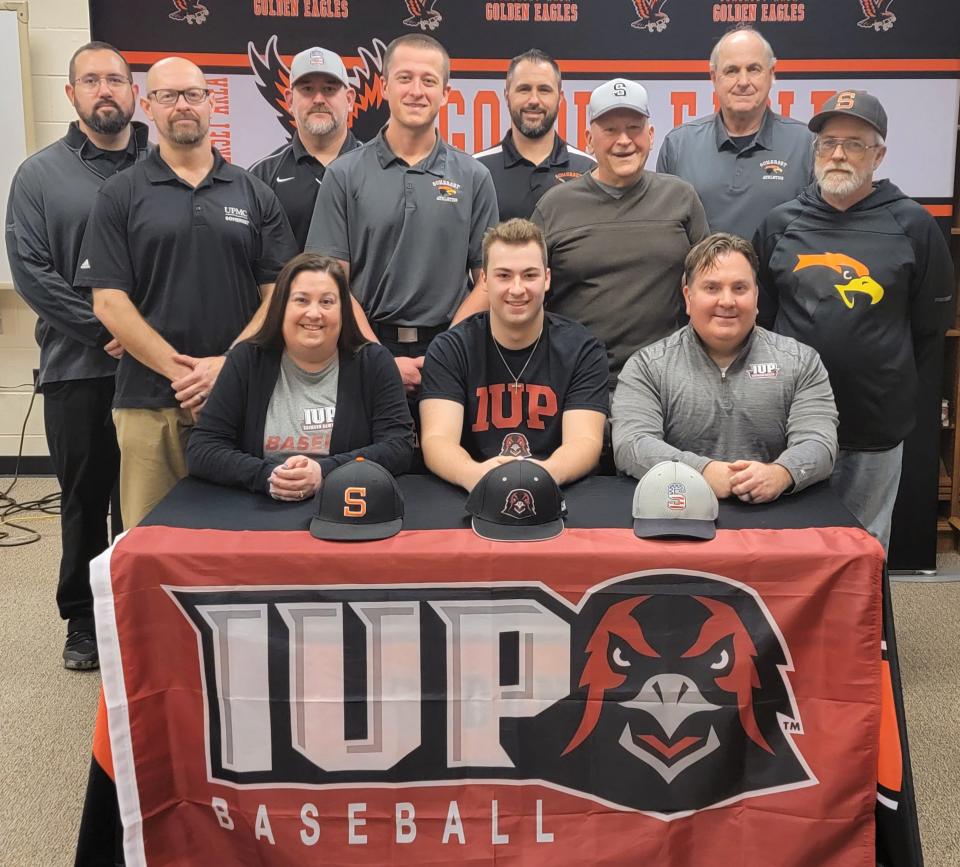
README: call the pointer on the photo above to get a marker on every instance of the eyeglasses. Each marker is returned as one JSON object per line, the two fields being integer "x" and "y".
{"x": 92, "y": 82}
{"x": 193, "y": 95}
{"x": 852, "y": 147}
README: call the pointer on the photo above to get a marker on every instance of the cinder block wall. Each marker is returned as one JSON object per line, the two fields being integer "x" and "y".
{"x": 57, "y": 29}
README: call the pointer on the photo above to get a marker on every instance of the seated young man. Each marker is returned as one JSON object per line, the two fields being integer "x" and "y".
{"x": 749, "y": 409}
{"x": 514, "y": 382}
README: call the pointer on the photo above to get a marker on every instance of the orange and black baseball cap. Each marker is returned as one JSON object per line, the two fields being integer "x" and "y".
{"x": 358, "y": 502}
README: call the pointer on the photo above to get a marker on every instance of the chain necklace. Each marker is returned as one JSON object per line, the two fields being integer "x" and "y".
{"x": 516, "y": 378}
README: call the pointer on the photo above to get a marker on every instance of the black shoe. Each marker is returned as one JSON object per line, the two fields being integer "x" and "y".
{"x": 80, "y": 651}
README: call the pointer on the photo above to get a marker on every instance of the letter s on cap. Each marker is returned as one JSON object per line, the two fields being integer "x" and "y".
{"x": 845, "y": 100}
{"x": 354, "y": 502}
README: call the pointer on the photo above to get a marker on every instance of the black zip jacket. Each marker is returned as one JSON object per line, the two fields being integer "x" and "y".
{"x": 871, "y": 289}
{"x": 372, "y": 418}
{"x": 50, "y": 200}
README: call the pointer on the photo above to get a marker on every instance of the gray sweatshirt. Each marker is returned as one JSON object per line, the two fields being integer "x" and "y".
{"x": 772, "y": 404}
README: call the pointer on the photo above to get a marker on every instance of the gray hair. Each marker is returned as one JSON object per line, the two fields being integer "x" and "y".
{"x": 767, "y": 48}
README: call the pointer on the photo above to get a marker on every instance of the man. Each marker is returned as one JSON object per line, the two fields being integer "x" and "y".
{"x": 405, "y": 214}
{"x": 515, "y": 382}
{"x": 320, "y": 99}
{"x": 532, "y": 158}
{"x": 745, "y": 159}
{"x": 862, "y": 274}
{"x": 617, "y": 235}
{"x": 181, "y": 253}
{"x": 46, "y": 215}
{"x": 749, "y": 409}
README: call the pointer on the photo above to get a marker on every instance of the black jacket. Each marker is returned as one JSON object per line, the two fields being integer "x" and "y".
{"x": 870, "y": 289}
{"x": 50, "y": 199}
{"x": 372, "y": 418}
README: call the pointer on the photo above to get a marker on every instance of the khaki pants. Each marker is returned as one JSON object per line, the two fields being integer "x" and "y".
{"x": 153, "y": 459}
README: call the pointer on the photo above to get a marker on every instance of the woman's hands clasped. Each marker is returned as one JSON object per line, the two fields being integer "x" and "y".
{"x": 297, "y": 478}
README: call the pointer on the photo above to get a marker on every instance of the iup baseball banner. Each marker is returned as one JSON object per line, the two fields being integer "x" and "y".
{"x": 597, "y": 700}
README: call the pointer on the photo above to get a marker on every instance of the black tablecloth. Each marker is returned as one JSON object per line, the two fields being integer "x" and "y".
{"x": 431, "y": 504}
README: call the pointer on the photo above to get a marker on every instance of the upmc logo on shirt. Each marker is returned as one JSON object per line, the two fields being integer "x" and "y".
{"x": 236, "y": 215}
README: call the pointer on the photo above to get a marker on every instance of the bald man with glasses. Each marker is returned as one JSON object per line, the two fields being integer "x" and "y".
{"x": 862, "y": 273}
{"x": 181, "y": 255}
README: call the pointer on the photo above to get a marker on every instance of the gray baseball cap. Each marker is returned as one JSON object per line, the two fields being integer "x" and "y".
{"x": 673, "y": 499}
{"x": 618, "y": 93}
{"x": 320, "y": 60}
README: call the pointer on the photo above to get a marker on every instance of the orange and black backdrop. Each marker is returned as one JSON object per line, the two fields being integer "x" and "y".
{"x": 906, "y": 53}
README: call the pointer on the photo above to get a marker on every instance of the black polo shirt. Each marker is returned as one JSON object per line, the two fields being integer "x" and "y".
{"x": 191, "y": 259}
{"x": 520, "y": 184}
{"x": 294, "y": 174}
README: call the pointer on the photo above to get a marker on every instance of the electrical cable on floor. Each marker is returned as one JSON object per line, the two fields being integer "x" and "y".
{"x": 11, "y": 507}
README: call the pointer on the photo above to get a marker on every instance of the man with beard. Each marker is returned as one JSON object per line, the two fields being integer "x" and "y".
{"x": 617, "y": 235}
{"x": 320, "y": 99}
{"x": 860, "y": 272}
{"x": 532, "y": 158}
{"x": 406, "y": 212}
{"x": 46, "y": 215}
{"x": 744, "y": 159}
{"x": 181, "y": 253}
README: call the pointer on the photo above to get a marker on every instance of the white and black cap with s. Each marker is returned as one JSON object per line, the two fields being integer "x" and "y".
{"x": 673, "y": 499}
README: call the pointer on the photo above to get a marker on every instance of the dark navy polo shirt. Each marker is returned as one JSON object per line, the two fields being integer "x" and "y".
{"x": 520, "y": 183}
{"x": 295, "y": 175}
{"x": 191, "y": 259}
{"x": 410, "y": 233}
{"x": 739, "y": 188}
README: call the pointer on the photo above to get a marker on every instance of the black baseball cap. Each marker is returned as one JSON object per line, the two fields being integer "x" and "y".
{"x": 358, "y": 502}
{"x": 517, "y": 502}
{"x": 852, "y": 103}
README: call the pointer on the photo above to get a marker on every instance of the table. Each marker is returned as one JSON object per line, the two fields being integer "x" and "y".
{"x": 437, "y": 697}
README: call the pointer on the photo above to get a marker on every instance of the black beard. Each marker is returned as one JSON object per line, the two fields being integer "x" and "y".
{"x": 110, "y": 123}
{"x": 537, "y": 131}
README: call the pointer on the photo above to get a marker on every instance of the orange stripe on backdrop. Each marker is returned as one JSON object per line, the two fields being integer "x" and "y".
{"x": 475, "y": 64}
{"x": 940, "y": 210}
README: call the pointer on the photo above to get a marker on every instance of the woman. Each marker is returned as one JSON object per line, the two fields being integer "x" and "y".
{"x": 305, "y": 394}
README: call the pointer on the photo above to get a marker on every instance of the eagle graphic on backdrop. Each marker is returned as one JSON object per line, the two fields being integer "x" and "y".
{"x": 189, "y": 11}
{"x": 878, "y": 15}
{"x": 652, "y": 17}
{"x": 368, "y": 115}
{"x": 423, "y": 15}
{"x": 853, "y": 271}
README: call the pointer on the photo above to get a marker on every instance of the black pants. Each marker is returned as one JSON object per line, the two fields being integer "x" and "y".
{"x": 84, "y": 453}
{"x": 410, "y": 350}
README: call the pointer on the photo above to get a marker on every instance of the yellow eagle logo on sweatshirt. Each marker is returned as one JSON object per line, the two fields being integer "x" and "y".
{"x": 856, "y": 274}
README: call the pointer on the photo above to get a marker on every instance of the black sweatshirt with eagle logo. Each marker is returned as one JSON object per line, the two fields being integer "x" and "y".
{"x": 871, "y": 289}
